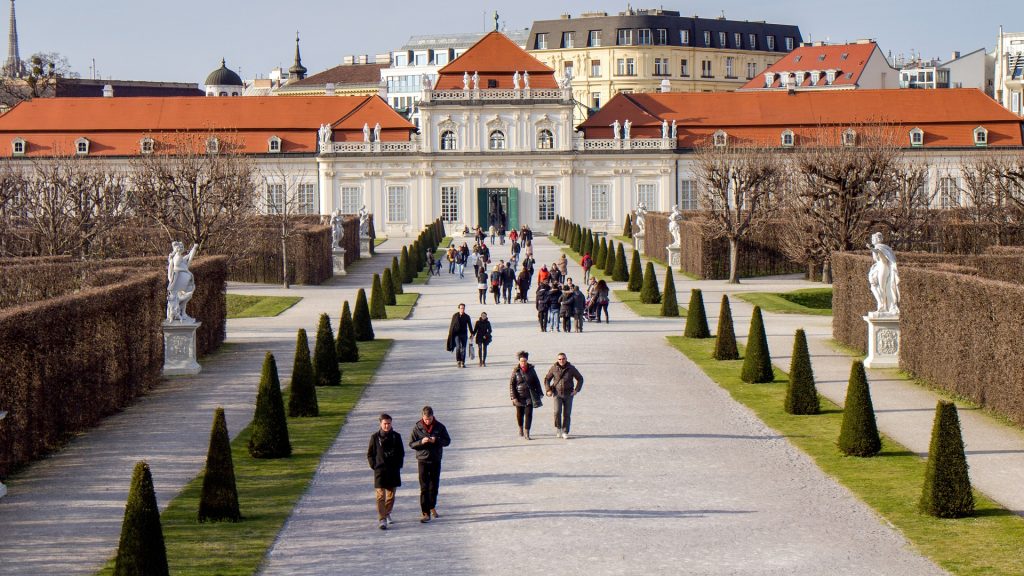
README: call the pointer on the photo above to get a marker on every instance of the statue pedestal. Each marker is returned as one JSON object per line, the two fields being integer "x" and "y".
{"x": 180, "y": 348}
{"x": 338, "y": 255}
{"x": 883, "y": 341}
{"x": 638, "y": 243}
{"x": 3, "y": 489}
{"x": 365, "y": 247}
{"x": 674, "y": 260}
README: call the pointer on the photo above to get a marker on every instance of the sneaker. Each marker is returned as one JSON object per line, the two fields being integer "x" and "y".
{"x": 390, "y": 521}
{"x": 382, "y": 524}
{"x": 425, "y": 518}
{"x": 433, "y": 512}
{"x": 565, "y": 435}
{"x": 527, "y": 435}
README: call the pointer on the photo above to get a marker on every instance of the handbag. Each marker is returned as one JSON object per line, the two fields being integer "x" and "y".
{"x": 536, "y": 397}
{"x": 472, "y": 352}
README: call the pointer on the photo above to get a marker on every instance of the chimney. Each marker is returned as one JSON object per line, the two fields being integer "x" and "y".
{"x": 108, "y": 91}
{"x": 347, "y": 60}
{"x": 956, "y": 54}
{"x": 329, "y": 89}
{"x": 666, "y": 86}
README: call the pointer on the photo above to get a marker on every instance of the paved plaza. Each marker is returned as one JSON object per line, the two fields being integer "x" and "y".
{"x": 665, "y": 473}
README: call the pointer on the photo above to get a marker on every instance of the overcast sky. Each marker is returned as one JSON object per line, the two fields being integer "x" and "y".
{"x": 183, "y": 40}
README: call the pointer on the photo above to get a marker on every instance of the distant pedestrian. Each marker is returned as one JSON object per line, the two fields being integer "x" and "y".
{"x": 429, "y": 437}
{"x": 563, "y": 382}
{"x": 524, "y": 388}
{"x": 483, "y": 337}
{"x": 458, "y": 335}
{"x": 386, "y": 455}
{"x": 602, "y": 294}
{"x": 563, "y": 265}
{"x": 579, "y": 305}
{"x": 566, "y": 308}
{"x": 587, "y": 264}
{"x": 541, "y": 301}
{"x": 481, "y": 284}
{"x": 508, "y": 281}
{"x": 554, "y": 307}
{"x": 495, "y": 281}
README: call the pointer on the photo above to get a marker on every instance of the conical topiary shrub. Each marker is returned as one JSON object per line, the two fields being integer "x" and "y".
{"x": 621, "y": 272}
{"x": 396, "y": 275}
{"x": 405, "y": 266}
{"x": 361, "y": 318}
{"x": 669, "y": 304}
{"x": 302, "y": 399}
{"x": 602, "y": 254}
{"x": 141, "y": 549}
{"x": 377, "y": 310}
{"x": 219, "y": 498}
{"x": 725, "y": 338}
{"x": 858, "y": 435}
{"x": 388, "y": 288}
{"x": 697, "y": 319}
{"x": 947, "y": 484}
{"x": 636, "y": 274}
{"x": 269, "y": 437}
{"x": 627, "y": 228}
{"x": 609, "y": 260}
{"x": 650, "y": 293}
{"x": 345, "y": 346}
{"x": 757, "y": 362}
{"x": 801, "y": 394}
{"x": 325, "y": 358}
{"x": 588, "y": 244}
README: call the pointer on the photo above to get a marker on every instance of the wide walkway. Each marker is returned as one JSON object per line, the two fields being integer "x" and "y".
{"x": 665, "y": 474}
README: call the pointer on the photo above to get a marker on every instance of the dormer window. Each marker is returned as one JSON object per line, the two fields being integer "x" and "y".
{"x": 82, "y": 146}
{"x": 821, "y": 57}
{"x": 917, "y": 137}
{"x": 850, "y": 137}
{"x": 769, "y": 79}
{"x": 844, "y": 56}
{"x": 18, "y": 147}
{"x": 788, "y": 138}
{"x": 146, "y": 146}
{"x": 830, "y": 76}
{"x": 721, "y": 139}
{"x": 274, "y": 145}
{"x": 980, "y": 136}
{"x": 815, "y": 75}
{"x": 797, "y": 58}
{"x": 212, "y": 145}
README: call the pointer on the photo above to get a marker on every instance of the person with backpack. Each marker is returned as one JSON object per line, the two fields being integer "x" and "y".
{"x": 587, "y": 264}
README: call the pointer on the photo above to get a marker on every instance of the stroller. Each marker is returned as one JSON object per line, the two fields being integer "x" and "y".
{"x": 590, "y": 310}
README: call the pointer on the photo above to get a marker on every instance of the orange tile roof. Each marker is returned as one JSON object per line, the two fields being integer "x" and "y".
{"x": 114, "y": 126}
{"x": 495, "y": 57}
{"x": 849, "y": 59}
{"x": 345, "y": 75}
{"x": 946, "y": 116}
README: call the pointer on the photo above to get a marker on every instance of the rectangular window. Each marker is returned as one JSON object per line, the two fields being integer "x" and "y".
{"x": 420, "y": 59}
{"x": 644, "y": 36}
{"x": 751, "y": 70}
{"x": 687, "y": 199}
{"x": 721, "y": 40}
{"x": 648, "y": 194}
{"x": 684, "y": 37}
{"x": 707, "y": 39}
{"x": 594, "y": 38}
{"x": 789, "y": 43}
{"x": 595, "y": 68}
{"x": 398, "y": 204}
{"x": 949, "y": 192}
{"x": 401, "y": 59}
{"x": 684, "y": 68}
{"x": 568, "y": 39}
{"x": 598, "y": 201}
{"x": 705, "y": 69}
{"x": 737, "y": 41}
{"x": 306, "y": 199}
{"x": 541, "y": 42}
{"x": 661, "y": 66}
{"x": 567, "y": 69}
{"x": 770, "y": 41}
{"x": 545, "y": 202}
{"x": 595, "y": 100}
{"x": 351, "y": 199}
{"x": 620, "y": 67}
{"x": 624, "y": 37}
{"x": 728, "y": 67}
{"x": 275, "y": 198}
{"x": 440, "y": 58}
{"x": 630, "y": 67}
{"x": 661, "y": 36}
{"x": 1015, "y": 102}
{"x": 450, "y": 203}
{"x": 752, "y": 41}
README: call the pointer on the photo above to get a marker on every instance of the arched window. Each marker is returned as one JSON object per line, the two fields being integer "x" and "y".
{"x": 274, "y": 145}
{"x": 850, "y": 137}
{"x": 788, "y": 138}
{"x": 721, "y": 139}
{"x": 545, "y": 140}
{"x": 980, "y": 136}
{"x": 496, "y": 140}
{"x": 212, "y": 145}
{"x": 146, "y": 146}
{"x": 82, "y": 146}
{"x": 448, "y": 141}
{"x": 917, "y": 137}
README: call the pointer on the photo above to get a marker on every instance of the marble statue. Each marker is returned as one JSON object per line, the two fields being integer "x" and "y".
{"x": 376, "y": 132}
{"x": 884, "y": 277}
{"x": 615, "y": 129}
{"x": 641, "y": 213}
{"x": 673, "y": 225}
{"x": 324, "y": 138}
{"x": 364, "y": 222}
{"x": 426, "y": 82}
{"x": 337, "y": 229}
{"x": 465, "y": 80}
{"x": 526, "y": 79}
{"x": 366, "y": 132}
{"x": 515, "y": 80}
{"x": 664, "y": 128}
{"x": 180, "y": 283}
{"x": 625, "y": 128}
{"x": 673, "y": 132}
{"x": 476, "y": 81}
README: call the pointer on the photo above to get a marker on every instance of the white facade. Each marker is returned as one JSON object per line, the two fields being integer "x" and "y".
{"x": 1009, "y": 71}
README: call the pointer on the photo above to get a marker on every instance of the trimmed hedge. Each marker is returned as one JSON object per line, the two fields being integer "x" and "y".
{"x": 635, "y": 280}
{"x": 361, "y": 318}
{"x": 325, "y": 357}
{"x": 620, "y": 273}
{"x": 725, "y": 339}
{"x": 387, "y": 285}
{"x": 219, "y": 497}
{"x": 697, "y": 318}
{"x": 396, "y": 276}
{"x": 302, "y": 399}
{"x": 269, "y": 436}
{"x": 377, "y": 309}
{"x": 141, "y": 549}
{"x": 346, "y": 347}
{"x": 858, "y": 435}
{"x": 757, "y": 362}
{"x": 669, "y": 305}
{"x": 801, "y": 393}
{"x": 947, "y": 485}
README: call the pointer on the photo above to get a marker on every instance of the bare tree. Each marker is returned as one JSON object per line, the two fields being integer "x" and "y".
{"x": 905, "y": 208}
{"x": 289, "y": 195}
{"x": 197, "y": 187}
{"x": 42, "y": 72}
{"x": 738, "y": 186}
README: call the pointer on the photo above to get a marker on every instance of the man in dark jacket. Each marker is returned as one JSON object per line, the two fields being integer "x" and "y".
{"x": 385, "y": 456}
{"x": 508, "y": 280}
{"x": 458, "y": 335}
{"x": 579, "y": 304}
{"x": 566, "y": 308}
{"x": 524, "y": 388}
{"x": 541, "y": 300}
{"x": 559, "y": 383}
{"x": 429, "y": 437}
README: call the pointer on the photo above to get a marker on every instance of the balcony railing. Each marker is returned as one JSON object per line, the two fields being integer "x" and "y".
{"x": 609, "y": 144}
{"x": 494, "y": 94}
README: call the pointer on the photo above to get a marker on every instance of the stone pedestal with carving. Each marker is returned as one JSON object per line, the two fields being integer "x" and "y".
{"x": 180, "y": 349}
{"x": 883, "y": 341}
{"x": 3, "y": 489}
{"x": 675, "y": 262}
{"x": 365, "y": 247}
{"x": 638, "y": 242}
{"x": 339, "y": 261}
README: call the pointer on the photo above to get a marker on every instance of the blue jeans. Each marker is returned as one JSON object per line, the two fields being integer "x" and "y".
{"x": 553, "y": 319}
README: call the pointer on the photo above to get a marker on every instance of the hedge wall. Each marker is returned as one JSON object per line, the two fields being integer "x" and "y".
{"x": 959, "y": 328}
{"x": 72, "y": 359}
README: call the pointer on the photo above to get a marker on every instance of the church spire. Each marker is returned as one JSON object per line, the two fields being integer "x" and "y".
{"x": 297, "y": 71}
{"x": 13, "y": 68}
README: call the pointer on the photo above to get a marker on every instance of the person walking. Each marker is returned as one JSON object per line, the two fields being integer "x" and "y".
{"x": 458, "y": 335}
{"x": 450, "y": 256}
{"x": 563, "y": 265}
{"x": 553, "y": 307}
{"x": 483, "y": 337}
{"x": 524, "y": 388}
{"x": 579, "y": 305}
{"x": 566, "y": 308}
{"x": 542, "y": 305}
{"x": 559, "y": 383}
{"x": 601, "y": 300}
{"x": 523, "y": 282}
{"x": 508, "y": 280}
{"x": 460, "y": 261}
{"x": 428, "y": 438}
{"x": 587, "y": 264}
{"x": 496, "y": 283}
{"x": 386, "y": 455}
{"x": 481, "y": 284}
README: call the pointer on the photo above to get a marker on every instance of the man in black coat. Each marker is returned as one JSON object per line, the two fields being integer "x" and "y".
{"x": 458, "y": 335}
{"x": 559, "y": 383}
{"x": 508, "y": 280}
{"x": 541, "y": 300}
{"x": 385, "y": 456}
{"x": 429, "y": 437}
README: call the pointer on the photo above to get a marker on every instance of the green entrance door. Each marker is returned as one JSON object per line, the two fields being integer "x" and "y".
{"x": 497, "y": 206}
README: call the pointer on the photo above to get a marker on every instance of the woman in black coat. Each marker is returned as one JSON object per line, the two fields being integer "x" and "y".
{"x": 483, "y": 337}
{"x": 524, "y": 388}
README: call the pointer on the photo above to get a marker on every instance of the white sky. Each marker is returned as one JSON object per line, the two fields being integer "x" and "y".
{"x": 183, "y": 40}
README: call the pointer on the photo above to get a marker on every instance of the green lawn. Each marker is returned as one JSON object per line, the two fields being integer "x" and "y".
{"x": 378, "y": 240}
{"x": 403, "y": 308}
{"x": 267, "y": 489}
{"x": 245, "y": 306}
{"x": 891, "y": 483}
{"x": 424, "y": 276}
{"x": 815, "y": 301}
{"x": 632, "y": 299}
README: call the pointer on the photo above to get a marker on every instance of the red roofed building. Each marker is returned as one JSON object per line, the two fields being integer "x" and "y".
{"x": 494, "y": 59}
{"x": 822, "y": 66}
